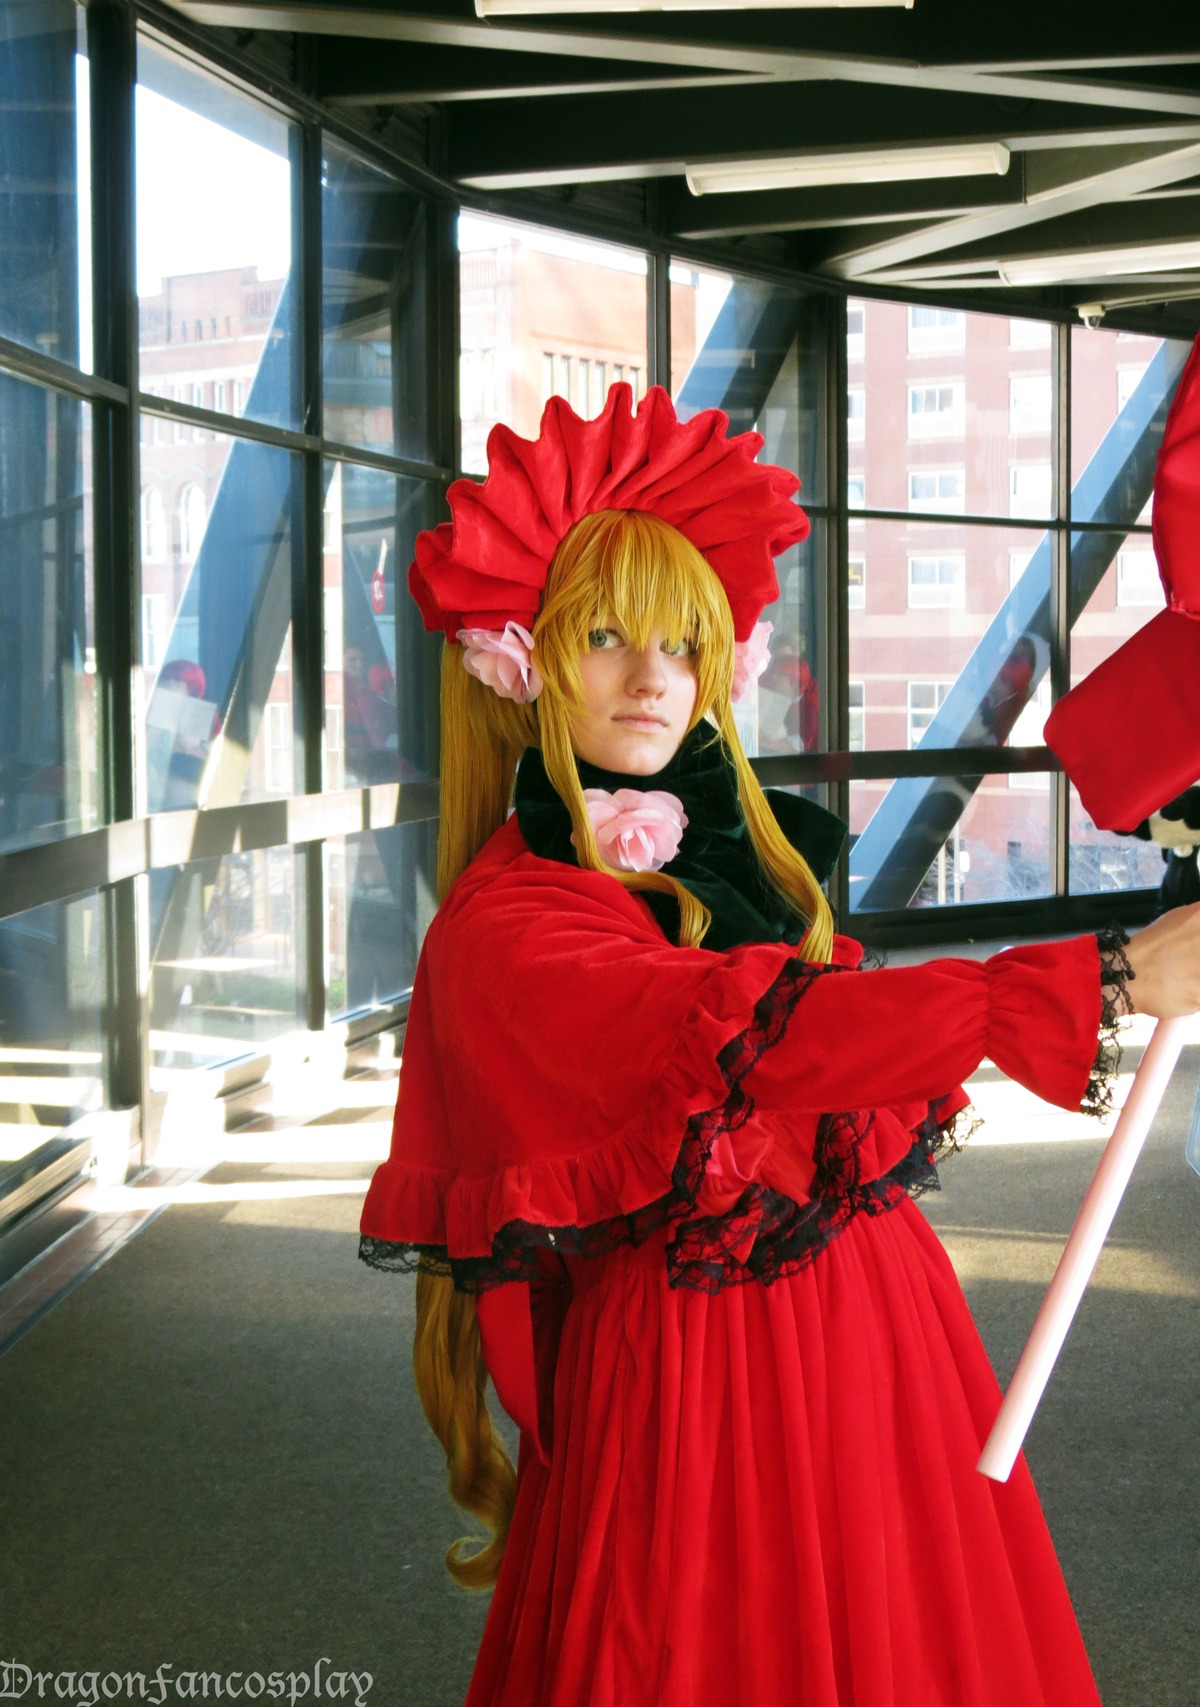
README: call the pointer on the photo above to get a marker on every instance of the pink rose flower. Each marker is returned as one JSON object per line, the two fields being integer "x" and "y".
{"x": 636, "y": 831}
{"x": 502, "y": 661}
{"x": 750, "y": 659}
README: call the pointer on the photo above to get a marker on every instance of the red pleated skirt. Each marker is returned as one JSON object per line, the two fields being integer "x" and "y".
{"x": 766, "y": 1496}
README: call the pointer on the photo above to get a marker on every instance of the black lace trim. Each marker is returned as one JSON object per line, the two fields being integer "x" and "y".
{"x": 764, "y": 1235}
{"x": 1115, "y": 1003}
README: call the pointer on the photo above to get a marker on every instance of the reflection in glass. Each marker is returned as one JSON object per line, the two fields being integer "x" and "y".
{"x": 965, "y": 840}
{"x": 52, "y": 980}
{"x": 1101, "y": 860}
{"x": 225, "y": 973}
{"x": 754, "y": 349}
{"x": 1115, "y": 590}
{"x": 375, "y": 242}
{"x": 45, "y": 211}
{"x": 542, "y": 314}
{"x": 47, "y": 657}
{"x": 781, "y": 712}
{"x": 216, "y": 314}
{"x": 217, "y": 662}
{"x": 381, "y": 890}
{"x": 381, "y": 668}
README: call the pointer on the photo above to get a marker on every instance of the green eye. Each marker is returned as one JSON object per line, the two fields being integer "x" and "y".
{"x": 602, "y": 639}
{"x": 681, "y": 649}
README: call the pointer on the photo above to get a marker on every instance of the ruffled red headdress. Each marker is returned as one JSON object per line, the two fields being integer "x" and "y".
{"x": 488, "y": 566}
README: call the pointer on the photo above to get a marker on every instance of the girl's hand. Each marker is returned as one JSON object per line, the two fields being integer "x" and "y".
{"x": 1165, "y": 958}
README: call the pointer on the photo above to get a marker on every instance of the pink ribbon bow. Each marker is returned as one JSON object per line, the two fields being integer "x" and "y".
{"x": 502, "y": 661}
{"x": 636, "y": 831}
{"x": 750, "y": 659}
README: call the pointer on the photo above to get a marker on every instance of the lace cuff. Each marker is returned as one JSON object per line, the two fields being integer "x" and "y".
{"x": 1115, "y": 1003}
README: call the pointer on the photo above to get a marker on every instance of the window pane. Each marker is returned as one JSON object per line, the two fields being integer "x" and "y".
{"x": 939, "y": 841}
{"x": 214, "y": 244}
{"x": 1114, "y": 578}
{"x": 45, "y": 222}
{"x": 220, "y": 652}
{"x": 943, "y": 389}
{"x": 48, "y": 782}
{"x": 944, "y": 608}
{"x": 755, "y": 350}
{"x": 52, "y": 980}
{"x": 382, "y": 670}
{"x": 1101, "y": 860}
{"x": 526, "y": 293}
{"x": 381, "y": 890}
{"x": 226, "y": 974}
{"x": 1120, "y": 388}
{"x": 781, "y": 712}
{"x": 374, "y": 237}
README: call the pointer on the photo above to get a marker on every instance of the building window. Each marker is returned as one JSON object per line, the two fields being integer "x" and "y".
{"x": 931, "y": 329}
{"x": 197, "y": 399}
{"x": 335, "y": 762}
{"x": 278, "y": 779}
{"x": 547, "y": 376}
{"x": 937, "y": 582}
{"x": 937, "y": 411}
{"x": 856, "y": 331}
{"x": 1029, "y": 403}
{"x": 1128, "y": 380}
{"x": 154, "y": 525}
{"x": 1018, "y": 561}
{"x": 562, "y": 368}
{"x": 1029, "y": 489}
{"x": 1029, "y": 334}
{"x": 154, "y": 629}
{"x": 220, "y": 397}
{"x": 856, "y": 576}
{"x": 924, "y": 698}
{"x": 193, "y": 514}
{"x": 583, "y": 386}
{"x": 856, "y": 491}
{"x": 856, "y": 700}
{"x": 1138, "y": 580}
{"x": 941, "y": 490}
{"x": 856, "y": 414}
{"x": 599, "y": 386}
{"x": 181, "y": 431}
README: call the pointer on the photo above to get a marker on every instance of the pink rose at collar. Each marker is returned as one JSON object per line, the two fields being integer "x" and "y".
{"x": 636, "y": 831}
{"x": 502, "y": 660}
{"x": 750, "y": 659}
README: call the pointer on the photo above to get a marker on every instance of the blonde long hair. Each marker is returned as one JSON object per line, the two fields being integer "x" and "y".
{"x": 631, "y": 566}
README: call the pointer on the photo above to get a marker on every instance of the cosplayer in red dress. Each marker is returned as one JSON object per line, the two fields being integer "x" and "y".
{"x": 677, "y": 1182}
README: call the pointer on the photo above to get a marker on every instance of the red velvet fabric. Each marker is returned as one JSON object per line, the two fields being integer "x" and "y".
{"x": 1129, "y": 735}
{"x": 488, "y": 565}
{"x": 764, "y": 1494}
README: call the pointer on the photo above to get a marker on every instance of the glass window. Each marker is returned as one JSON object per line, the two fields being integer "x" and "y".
{"x": 224, "y": 650}
{"x": 543, "y": 303}
{"x": 375, "y": 279}
{"x": 1115, "y": 589}
{"x": 756, "y": 350}
{"x": 937, "y": 411}
{"x": 856, "y": 574}
{"x": 945, "y": 841}
{"x": 1019, "y": 559}
{"x": 856, "y": 492}
{"x": 933, "y": 329}
{"x": 937, "y": 581}
{"x": 856, "y": 700}
{"x": 381, "y": 893}
{"x": 856, "y": 331}
{"x": 1120, "y": 388}
{"x": 856, "y": 413}
{"x": 1101, "y": 860}
{"x": 1029, "y": 334}
{"x": 1138, "y": 581}
{"x": 214, "y": 241}
{"x": 52, "y": 994}
{"x": 226, "y": 973}
{"x": 1031, "y": 489}
{"x": 154, "y": 525}
{"x": 382, "y": 670}
{"x": 924, "y": 698}
{"x": 782, "y": 711}
{"x": 1030, "y": 731}
{"x": 48, "y": 781}
{"x": 45, "y": 232}
{"x": 937, "y": 489}
{"x": 1029, "y": 401}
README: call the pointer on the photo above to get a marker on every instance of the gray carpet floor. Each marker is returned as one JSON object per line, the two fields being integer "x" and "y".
{"x": 214, "y": 1457}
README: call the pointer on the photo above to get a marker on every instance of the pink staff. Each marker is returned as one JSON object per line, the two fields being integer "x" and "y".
{"x": 1082, "y": 1250}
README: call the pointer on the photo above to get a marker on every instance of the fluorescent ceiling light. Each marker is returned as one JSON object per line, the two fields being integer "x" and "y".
{"x": 877, "y": 166}
{"x": 525, "y": 8}
{"x": 1101, "y": 264}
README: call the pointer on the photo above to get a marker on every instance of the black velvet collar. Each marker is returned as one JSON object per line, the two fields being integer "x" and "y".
{"x": 716, "y": 859}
